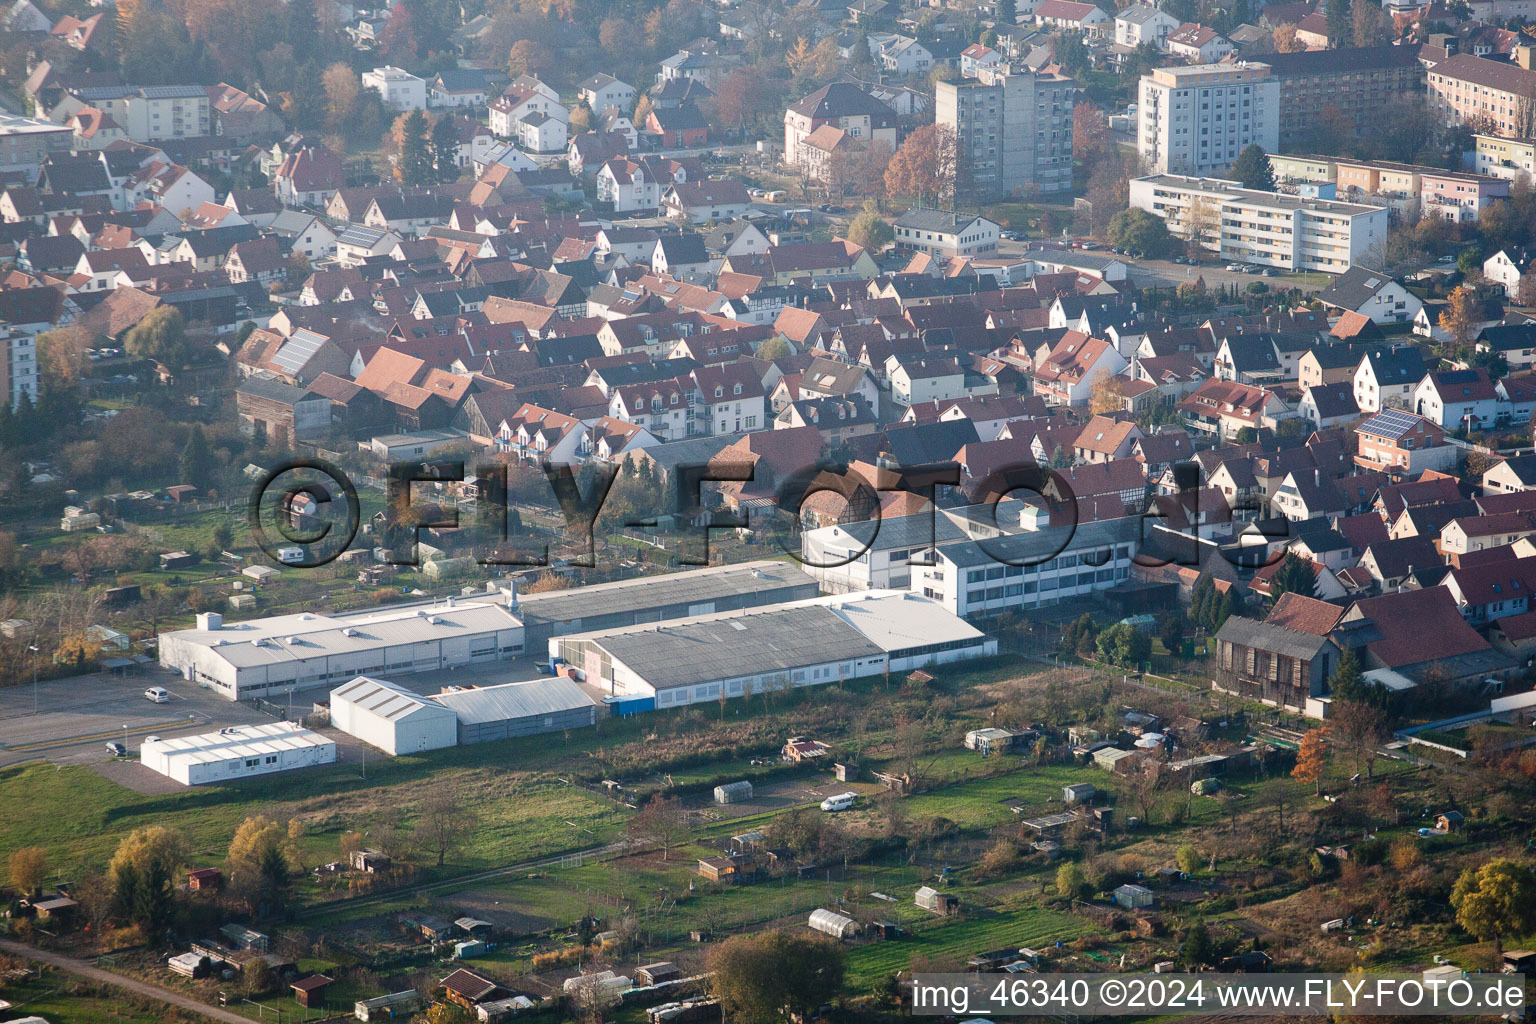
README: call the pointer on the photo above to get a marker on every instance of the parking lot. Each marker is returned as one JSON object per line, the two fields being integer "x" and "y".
{"x": 77, "y": 717}
{"x": 1168, "y": 274}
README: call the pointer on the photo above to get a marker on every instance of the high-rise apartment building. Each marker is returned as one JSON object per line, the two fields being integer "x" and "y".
{"x": 1196, "y": 120}
{"x": 1014, "y": 131}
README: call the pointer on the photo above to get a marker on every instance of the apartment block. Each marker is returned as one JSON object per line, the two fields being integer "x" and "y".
{"x": 1463, "y": 88}
{"x": 18, "y": 365}
{"x": 1198, "y": 119}
{"x": 25, "y": 142}
{"x": 1270, "y": 229}
{"x": 1354, "y": 82}
{"x": 1014, "y": 130}
{"x": 158, "y": 112}
{"x": 1499, "y": 157}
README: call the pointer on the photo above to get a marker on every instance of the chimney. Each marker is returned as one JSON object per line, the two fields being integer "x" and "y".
{"x": 1317, "y": 476}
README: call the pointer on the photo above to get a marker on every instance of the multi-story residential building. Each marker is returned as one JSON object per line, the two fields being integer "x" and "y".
{"x": 1401, "y": 442}
{"x": 1275, "y": 230}
{"x": 841, "y": 105}
{"x": 398, "y": 88}
{"x": 25, "y": 143}
{"x": 978, "y": 56}
{"x": 1198, "y": 43}
{"x": 1198, "y": 119}
{"x": 1499, "y": 157}
{"x": 158, "y": 112}
{"x": 1463, "y": 88}
{"x": 602, "y": 91}
{"x": 1143, "y": 23}
{"x": 18, "y": 365}
{"x": 1014, "y": 130}
{"x": 1355, "y": 82}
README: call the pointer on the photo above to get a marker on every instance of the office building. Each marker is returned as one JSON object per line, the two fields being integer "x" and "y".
{"x": 1267, "y": 228}
{"x": 1014, "y": 131}
{"x": 1196, "y": 120}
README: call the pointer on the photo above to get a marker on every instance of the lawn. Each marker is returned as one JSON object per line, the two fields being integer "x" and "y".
{"x": 518, "y": 817}
{"x": 63, "y": 1000}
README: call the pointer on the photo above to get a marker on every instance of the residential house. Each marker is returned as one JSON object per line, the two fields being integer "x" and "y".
{"x": 1402, "y": 443}
{"x": 1271, "y": 663}
{"x": 1386, "y": 377}
{"x": 1457, "y": 400}
{"x": 1222, "y": 409}
{"x": 1372, "y": 293}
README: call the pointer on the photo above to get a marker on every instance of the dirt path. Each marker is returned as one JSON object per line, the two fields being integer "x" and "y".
{"x": 89, "y": 971}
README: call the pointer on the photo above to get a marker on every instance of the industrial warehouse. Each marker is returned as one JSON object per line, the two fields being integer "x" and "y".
{"x": 236, "y": 753}
{"x": 392, "y": 718}
{"x": 719, "y": 588}
{"x": 286, "y": 653}
{"x": 488, "y": 713}
{"x": 804, "y": 643}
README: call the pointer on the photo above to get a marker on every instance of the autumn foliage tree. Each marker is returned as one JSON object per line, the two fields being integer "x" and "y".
{"x": 775, "y": 976}
{"x": 926, "y": 166}
{"x": 1459, "y": 317}
{"x": 1496, "y": 900}
{"x": 1310, "y": 760}
{"x": 661, "y": 820}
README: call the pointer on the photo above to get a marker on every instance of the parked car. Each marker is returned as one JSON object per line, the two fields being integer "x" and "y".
{"x": 158, "y": 694}
{"x": 1234, "y": 268}
{"x": 1270, "y": 272}
{"x": 117, "y": 749}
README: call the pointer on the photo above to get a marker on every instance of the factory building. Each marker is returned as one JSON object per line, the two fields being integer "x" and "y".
{"x": 804, "y": 643}
{"x": 283, "y": 653}
{"x": 487, "y": 713}
{"x": 392, "y": 718}
{"x": 238, "y": 752}
{"x": 676, "y": 595}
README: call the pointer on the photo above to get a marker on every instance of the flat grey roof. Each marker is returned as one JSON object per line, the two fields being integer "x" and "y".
{"x": 696, "y": 586}
{"x": 687, "y": 653}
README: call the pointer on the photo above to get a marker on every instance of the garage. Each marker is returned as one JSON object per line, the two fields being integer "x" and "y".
{"x": 392, "y": 718}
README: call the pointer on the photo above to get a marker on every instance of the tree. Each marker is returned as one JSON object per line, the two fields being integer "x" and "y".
{"x": 775, "y": 347}
{"x": 1108, "y": 394}
{"x": 1459, "y": 317}
{"x": 529, "y": 58}
{"x": 1070, "y": 881}
{"x": 775, "y": 976}
{"x": 144, "y": 847}
{"x": 1198, "y": 949}
{"x": 1359, "y": 729}
{"x": 161, "y": 336}
{"x": 1090, "y": 131}
{"x": 443, "y": 823}
{"x": 1202, "y": 223}
{"x": 1295, "y": 575}
{"x": 1139, "y": 232}
{"x": 1188, "y": 859}
{"x": 445, "y": 148}
{"x": 1124, "y": 645}
{"x": 63, "y": 355}
{"x": 1370, "y": 24}
{"x": 415, "y": 164}
{"x": 871, "y": 231}
{"x": 341, "y": 87}
{"x": 1252, "y": 169}
{"x": 1170, "y": 630}
{"x": 257, "y": 862}
{"x": 1285, "y": 39}
{"x": 1310, "y": 760}
{"x": 1496, "y": 900}
{"x": 28, "y": 867}
{"x": 661, "y": 820}
{"x": 1340, "y": 22}
{"x": 925, "y": 166}
{"x": 196, "y": 460}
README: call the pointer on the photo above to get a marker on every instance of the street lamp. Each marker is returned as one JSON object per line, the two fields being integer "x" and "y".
{"x": 35, "y": 651}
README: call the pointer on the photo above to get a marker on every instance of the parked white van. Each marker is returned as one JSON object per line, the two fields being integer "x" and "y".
{"x": 158, "y": 694}
{"x": 840, "y": 802}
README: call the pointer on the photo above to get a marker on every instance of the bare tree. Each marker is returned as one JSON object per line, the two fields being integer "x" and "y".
{"x": 662, "y": 820}
{"x": 443, "y": 823}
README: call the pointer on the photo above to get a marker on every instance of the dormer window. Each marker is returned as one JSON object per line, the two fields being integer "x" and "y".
{"x": 736, "y": 390}
{"x": 719, "y": 392}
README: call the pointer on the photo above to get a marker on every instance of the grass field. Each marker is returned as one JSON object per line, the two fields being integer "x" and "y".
{"x": 63, "y": 1000}
{"x": 1025, "y": 925}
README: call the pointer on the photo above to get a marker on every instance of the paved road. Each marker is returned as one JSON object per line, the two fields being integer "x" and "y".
{"x": 89, "y": 971}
